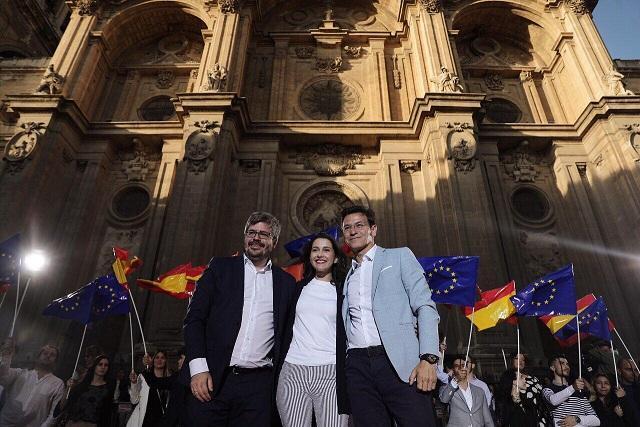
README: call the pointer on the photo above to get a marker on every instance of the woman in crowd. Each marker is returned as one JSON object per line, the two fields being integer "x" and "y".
{"x": 307, "y": 382}
{"x": 520, "y": 402}
{"x": 89, "y": 402}
{"x": 150, "y": 391}
{"x": 612, "y": 408}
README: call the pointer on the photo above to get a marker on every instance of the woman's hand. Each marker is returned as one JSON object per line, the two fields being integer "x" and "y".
{"x": 133, "y": 377}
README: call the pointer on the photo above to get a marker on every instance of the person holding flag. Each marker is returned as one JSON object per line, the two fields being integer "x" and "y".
{"x": 613, "y": 408}
{"x": 389, "y": 366}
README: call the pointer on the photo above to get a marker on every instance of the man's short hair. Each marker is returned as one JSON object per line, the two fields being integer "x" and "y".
{"x": 556, "y": 357}
{"x": 55, "y": 347}
{"x": 268, "y": 219}
{"x": 368, "y": 212}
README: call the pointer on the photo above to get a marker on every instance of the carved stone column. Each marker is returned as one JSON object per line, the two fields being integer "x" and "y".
{"x": 531, "y": 91}
{"x": 378, "y": 69}
{"x": 278, "y": 82}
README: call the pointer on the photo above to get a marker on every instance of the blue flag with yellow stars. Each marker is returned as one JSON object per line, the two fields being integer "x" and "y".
{"x": 452, "y": 279}
{"x": 551, "y": 295}
{"x": 99, "y": 299}
{"x": 594, "y": 320}
{"x": 9, "y": 262}
{"x": 295, "y": 247}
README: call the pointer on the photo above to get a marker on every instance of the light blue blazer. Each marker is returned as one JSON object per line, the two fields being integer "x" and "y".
{"x": 405, "y": 314}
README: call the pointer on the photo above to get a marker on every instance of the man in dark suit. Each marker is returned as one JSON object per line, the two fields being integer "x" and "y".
{"x": 233, "y": 332}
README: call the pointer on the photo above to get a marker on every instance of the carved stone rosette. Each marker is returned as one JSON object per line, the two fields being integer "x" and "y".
{"x": 229, "y": 6}
{"x": 86, "y": 7}
{"x": 330, "y": 159}
{"x": 462, "y": 146}
{"x": 199, "y": 147}
{"x": 21, "y": 146}
{"x": 521, "y": 163}
{"x": 431, "y": 6}
{"x": 579, "y": 7}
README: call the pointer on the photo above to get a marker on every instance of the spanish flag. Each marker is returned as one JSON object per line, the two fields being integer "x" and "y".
{"x": 296, "y": 270}
{"x": 494, "y": 306}
{"x": 123, "y": 266}
{"x": 179, "y": 282}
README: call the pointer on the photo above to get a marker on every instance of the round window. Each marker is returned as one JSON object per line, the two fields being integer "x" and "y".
{"x": 157, "y": 109}
{"x": 130, "y": 202}
{"x": 530, "y": 204}
{"x": 502, "y": 111}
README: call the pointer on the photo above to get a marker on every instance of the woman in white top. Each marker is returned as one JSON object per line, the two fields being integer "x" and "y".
{"x": 307, "y": 382}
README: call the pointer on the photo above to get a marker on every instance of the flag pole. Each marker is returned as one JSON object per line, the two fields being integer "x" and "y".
{"x": 131, "y": 334}
{"x": 473, "y": 310}
{"x": 504, "y": 357}
{"x": 441, "y": 362}
{"x": 626, "y": 348}
{"x": 15, "y": 311}
{"x": 613, "y": 356}
{"x": 24, "y": 292}
{"x": 518, "y": 354}
{"x": 579, "y": 348}
{"x": 144, "y": 343}
{"x": 75, "y": 367}
{"x": 3, "y": 297}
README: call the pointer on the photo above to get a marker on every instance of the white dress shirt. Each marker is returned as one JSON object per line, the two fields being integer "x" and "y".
{"x": 468, "y": 397}
{"x": 363, "y": 331}
{"x": 256, "y": 336}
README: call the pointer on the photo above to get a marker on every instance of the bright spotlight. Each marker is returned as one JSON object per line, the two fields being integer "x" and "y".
{"x": 35, "y": 260}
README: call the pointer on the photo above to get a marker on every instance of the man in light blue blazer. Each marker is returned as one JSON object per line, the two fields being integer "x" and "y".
{"x": 391, "y": 326}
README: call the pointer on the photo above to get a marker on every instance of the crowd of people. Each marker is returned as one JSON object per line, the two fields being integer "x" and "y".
{"x": 355, "y": 342}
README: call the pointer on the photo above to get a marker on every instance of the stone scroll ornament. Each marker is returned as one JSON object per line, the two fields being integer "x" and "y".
{"x": 200, "y": 146}
{"x": 21, "y": 145}
{"x": 462, "y": 146}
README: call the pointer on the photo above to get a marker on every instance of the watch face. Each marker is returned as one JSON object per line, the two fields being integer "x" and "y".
{"x": 431, "y": 358}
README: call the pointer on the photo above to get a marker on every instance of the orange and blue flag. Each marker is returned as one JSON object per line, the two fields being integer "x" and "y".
{"x": 452, "y": 279}
{"x": 553, "y": 294}
{"x": 593, "y": 320}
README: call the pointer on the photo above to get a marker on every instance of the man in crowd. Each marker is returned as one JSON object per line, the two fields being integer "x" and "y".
{"x": 31, "y": 394}
{"x": 389, "y": 366}
{"x": 471, "y": 366}
{"x": 570, "y": 403}
{"x": 233, "y": 332}
{"x": 467, "y": 403}
{"x": 629, "y": 381}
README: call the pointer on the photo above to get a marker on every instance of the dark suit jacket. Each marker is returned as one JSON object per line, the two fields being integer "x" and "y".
{"x": 213, "y": 319}
{"x": 341, "y": 344}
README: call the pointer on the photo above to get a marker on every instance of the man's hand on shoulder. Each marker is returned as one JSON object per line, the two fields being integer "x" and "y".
{"x": 202, "y": 386}
{"x": 425, "y": 375}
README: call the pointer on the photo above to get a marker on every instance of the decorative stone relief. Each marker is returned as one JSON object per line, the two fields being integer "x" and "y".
{"x": 200, "y": 146}
{"x": 354, "y": 52}
{"x": 541, "y": 251}
{"x": 126, "y": 239}
{"x": 304, "y": 52}
{"x": 397, "y": 78}
{"x": 448, "y": 82}
{"x": 21, "y": 145}
{"x": 521, "y": 163}
{"x": 193, "y": 74}
{"x": 431, "y": 6}
{"x": 329, "y": 99}
{"x": 229, "y": 6}
{"x": 598, "y": 160}
{"x": 51, "y": 82}
{"x": 616, "y": 86}
{"x": 330, "y": 159}
{"x": 329, "y": 65}
{"x": 250, "y": 166}
{"x": 634, "y": 139}
{"x": 86, "y": 7}
{"x": 140, "y": 165}
{"x": 494, "y": 81}
{"x": 165, "y": 79}
{"x": 526, "y": 76}
{"x": 579, "y": 7}
{"x": 216, "y": 79}
{"x": 582, "y": 168}
{"x": 410, "y": 166}
{"x": 462, "y": 146}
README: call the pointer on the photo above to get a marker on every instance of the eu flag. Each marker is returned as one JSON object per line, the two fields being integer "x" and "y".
{"x": 452, "y": 279}
{"x": 553, "y": 294}
{"x": 594, "y": 320}
{"x": 294, "y": 248}
{"x": 101, "y": 298}
{"x": 9, "y": 262}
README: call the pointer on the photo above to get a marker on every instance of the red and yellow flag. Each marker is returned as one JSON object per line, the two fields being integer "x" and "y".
{"x": 123, "y": 266}
{"x": 296, "y": 270}
{"x": 179, "y": 282}
{"x": 494, "y": 306}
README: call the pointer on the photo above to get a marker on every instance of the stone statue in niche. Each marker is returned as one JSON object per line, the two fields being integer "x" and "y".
{"x": 139, "y": 167}
{"x": 51, "y": 82}
{"x": 616, "y": 87}
{"x": 448, "y": 82}
{"x": 216, "y": 79}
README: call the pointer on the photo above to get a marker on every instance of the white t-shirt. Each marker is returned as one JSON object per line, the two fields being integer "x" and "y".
{"x": 314, "y": 327}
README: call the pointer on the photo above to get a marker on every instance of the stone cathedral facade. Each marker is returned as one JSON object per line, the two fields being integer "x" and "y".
{"x": 497, "y": 128}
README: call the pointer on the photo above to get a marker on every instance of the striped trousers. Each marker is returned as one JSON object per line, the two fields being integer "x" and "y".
{"x": 303, "y": 390}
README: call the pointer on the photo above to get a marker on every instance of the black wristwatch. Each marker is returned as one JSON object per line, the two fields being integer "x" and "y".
{"x": 578, "y": 420}
{"x": 431, "y": 358}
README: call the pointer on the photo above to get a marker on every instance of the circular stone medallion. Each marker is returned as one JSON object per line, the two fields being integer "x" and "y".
{"x": 329, "y": 99}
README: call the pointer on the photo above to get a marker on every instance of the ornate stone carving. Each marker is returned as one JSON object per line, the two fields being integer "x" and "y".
{"x": 139, "y": 166}
{"x": 462, "y": 146}
{"x": 165, "y": 79}
{"x": 193, "y": 74}
{"x": 51, "y": 82}
{"x": 616, "y": 86}
{"x": 494, "y": 81}
{"x": 598, "y": 160}
{"x": 323, "y": 210}
{"x": 352, "y": 51}
{"x": 526, "y": 76}
{"x": 329, "y": 99}
{"x": 431, "y": 6}
{"x": 304, "y": 52}
{"x": 579, "y": 7}
{"x": 330, "y": 159}
{"x": 448, "y": 82}
{"x": 329, "y": 65}
{"x": 250, "y": 166}
{"x": 397, "y": 78}
{"x": 229, "y": 6}
{"x": 21, "y": 145}
{"x": 200, "y": 146}
{"x": 634, "y": 138}
{"x": 542, "y": 252}
{"x": 216, "y": 79}
{"x": 521, "y": 163}
{"x": 410, "y": 166}
{"x": 86, "y": 7}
